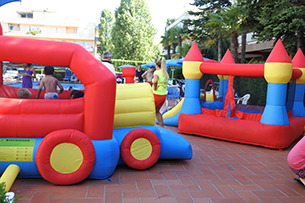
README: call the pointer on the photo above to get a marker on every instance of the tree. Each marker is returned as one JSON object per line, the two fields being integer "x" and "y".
{"x": 227, "y": 23}
{"x": 287, "y": 23}
{"x": 166, "y": 37}
{"x": 199, "y": 18}
{"x": 105, "y": 27}
{"x": 133, "y": 33}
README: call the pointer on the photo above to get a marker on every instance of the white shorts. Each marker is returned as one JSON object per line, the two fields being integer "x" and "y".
{"x": 51, "y": 95}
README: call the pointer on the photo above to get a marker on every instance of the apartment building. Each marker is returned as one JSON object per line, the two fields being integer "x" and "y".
{"x": 48, "y": 25}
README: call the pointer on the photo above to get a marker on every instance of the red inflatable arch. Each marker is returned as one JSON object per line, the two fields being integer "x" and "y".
{"x": 95, "y": 112}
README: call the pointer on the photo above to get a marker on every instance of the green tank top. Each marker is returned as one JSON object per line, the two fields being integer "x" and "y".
{"x": 162, "y": 83}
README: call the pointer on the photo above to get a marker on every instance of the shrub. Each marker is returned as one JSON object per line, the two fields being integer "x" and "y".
{"x": 3, "y": 198}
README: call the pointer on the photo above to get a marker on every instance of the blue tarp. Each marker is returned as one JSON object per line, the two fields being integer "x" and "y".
{"x": 127, "y": 65}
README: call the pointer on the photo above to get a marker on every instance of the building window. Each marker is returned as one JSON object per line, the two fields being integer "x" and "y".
{"x": 26, "y": 15}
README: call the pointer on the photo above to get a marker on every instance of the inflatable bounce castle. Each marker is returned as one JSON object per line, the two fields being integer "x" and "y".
{"x": 66, "y": 141}
{"x": 279, "y": 124}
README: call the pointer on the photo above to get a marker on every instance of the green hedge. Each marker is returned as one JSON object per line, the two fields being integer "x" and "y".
{"x": 256, "y": 87}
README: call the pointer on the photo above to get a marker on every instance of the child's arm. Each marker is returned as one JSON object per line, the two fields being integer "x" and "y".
{"x": 60, "y": 87}
{"x": 39, "y": 89}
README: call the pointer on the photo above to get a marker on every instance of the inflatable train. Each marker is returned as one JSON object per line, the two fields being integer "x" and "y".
{"x": 275, "y": 126}
{"x": 66, "y": 141}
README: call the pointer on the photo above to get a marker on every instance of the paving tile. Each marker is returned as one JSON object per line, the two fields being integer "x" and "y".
{"x": 185, "y": 188}
{"x": 290, "y": 199}
{"x": 96, "y": 190}
{"x": 41, "y": 197}
{"x": 128, "y": 179}
{"x": 169, "y": 175}
{"x": 27, "y": 191}
{"x": 187, "y": 180}
{"x": 144, "y": 185}
{"x": 99, "y": 200}
{"x": 120, "y": 187}
{"x": 287, "y": 191}
{"x": 111, "y": 197}
{"x": 226, "y": 191}
{"x": 154, "y": 170}
{"x": 132, "y": 200}
{"x": 202, "y": 200}
{"x": 17, "y": 184}
{"x": 182, "y": 197}
{"x": 268, "y": 193}
{"x": 264, "y": 185}
{"x": 205, "y": 194}
{"x": 158, "y": 200}
{"x": 248, "y": 196}
{"x": 23, "y": 200}
{"x": 148, "y": 177}
{"x": 227, "y": 199}
{"x": 245, "y": 187}
{"x": 270, "y": 200}
{"x": 57, "y": 188}
{"x": 82, "y": 186}
{"x": 242, "y": 179}
{"x": 166, "y": 182}
{"x": 56, "y": 201}
{"x": 78, "y": 194}
{"x": 163, "y": 191}
{"x": 140, "y": 194}
{"x": 206, "y": 185}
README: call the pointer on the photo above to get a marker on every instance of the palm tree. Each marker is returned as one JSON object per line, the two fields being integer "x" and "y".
{"x": 227, "y": 23}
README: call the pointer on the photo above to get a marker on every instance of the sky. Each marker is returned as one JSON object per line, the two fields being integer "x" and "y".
{"x": 90, "y": 10}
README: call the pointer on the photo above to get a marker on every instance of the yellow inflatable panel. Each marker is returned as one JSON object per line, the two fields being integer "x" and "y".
{"x": 278, "y": 72}
{"x": 174, "y": 110}
{"x": 141, "y": 149}
{"x": 191, "y": 69}
{"x": 66, "y": 158}
{"x": 134, "y": 105}
{"x": 9, "y": 176}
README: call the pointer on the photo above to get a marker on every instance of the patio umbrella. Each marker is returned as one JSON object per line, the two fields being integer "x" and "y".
{"x": 148, "y": 65}
{"x": 2, "y": 2}
{"x": 173, "y": 62}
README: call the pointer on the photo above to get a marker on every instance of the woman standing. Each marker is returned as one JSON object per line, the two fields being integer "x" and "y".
{"x": 28, "y": 73}
{"x": 160, "y": 87}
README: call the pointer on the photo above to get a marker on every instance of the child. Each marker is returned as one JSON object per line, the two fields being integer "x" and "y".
{"x": 24, "y": 93}
{"x": 50, "y": 84}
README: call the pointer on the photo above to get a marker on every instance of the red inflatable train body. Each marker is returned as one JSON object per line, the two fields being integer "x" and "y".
{"x": 65, "y": 141}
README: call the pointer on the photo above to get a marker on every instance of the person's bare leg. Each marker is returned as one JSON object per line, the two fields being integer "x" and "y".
{"x": 159, "y": 117}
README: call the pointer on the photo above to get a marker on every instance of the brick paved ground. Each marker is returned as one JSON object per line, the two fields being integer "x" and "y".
{"x": 219, "y": 171}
